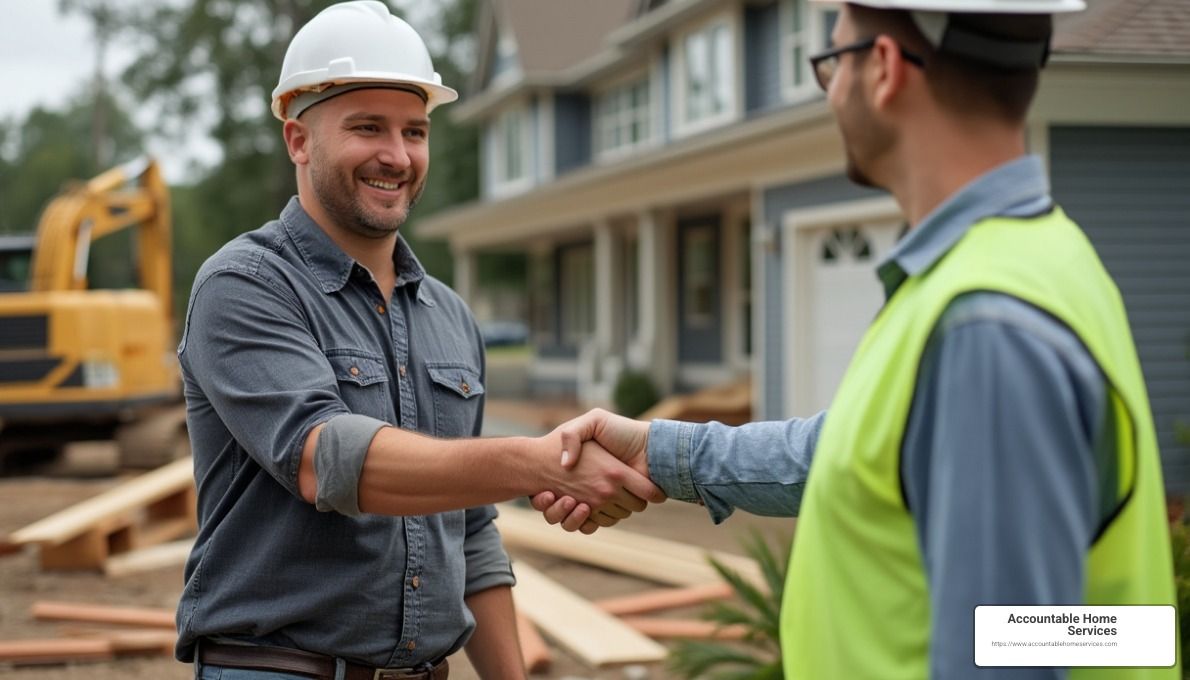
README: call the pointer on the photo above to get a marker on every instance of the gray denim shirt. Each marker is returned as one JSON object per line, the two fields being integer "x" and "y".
{"x": 284, "y": 331}
{"x": 1008, "y": 431}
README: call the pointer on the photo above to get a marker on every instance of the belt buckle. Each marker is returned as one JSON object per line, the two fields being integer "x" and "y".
{"x": 390, "y": 674}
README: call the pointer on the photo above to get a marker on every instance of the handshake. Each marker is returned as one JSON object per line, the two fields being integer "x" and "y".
{"x": 603, "y": 476}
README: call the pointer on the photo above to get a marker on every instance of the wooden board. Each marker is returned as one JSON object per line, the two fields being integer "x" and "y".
{"x": 655, "y": 559}
{"x": 534, "y": 651}
{"x": 594, "y": 636}
{"x": 155, "y": 507}
{"x": 148, "y": 559}
{"x": 665, "y": 598}
{"x": 137, "y": 494}
{"x": 688, "y": 629}
{"x": 146, "y": 617}
{"x": 52, "y": 651}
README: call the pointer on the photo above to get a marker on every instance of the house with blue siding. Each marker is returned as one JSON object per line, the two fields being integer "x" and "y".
{"x": 676, "y": 179}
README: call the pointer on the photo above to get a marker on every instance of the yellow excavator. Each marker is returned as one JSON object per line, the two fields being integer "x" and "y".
{"x": 79, "y": 364}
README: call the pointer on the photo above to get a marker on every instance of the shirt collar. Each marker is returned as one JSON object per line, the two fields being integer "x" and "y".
{"x": 1018, "y": 188}
{"x": 333, "y": 267}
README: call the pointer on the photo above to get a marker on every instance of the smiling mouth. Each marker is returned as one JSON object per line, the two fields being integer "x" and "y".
{"x": 383, "y": 185}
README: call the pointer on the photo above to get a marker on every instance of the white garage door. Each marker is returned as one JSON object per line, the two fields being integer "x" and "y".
{"x": 839, "y": 297}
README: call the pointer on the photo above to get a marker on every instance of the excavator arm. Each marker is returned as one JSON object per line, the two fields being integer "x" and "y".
{"x": 131, "y": 195}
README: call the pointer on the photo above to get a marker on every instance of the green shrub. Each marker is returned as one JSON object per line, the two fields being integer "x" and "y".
{"x": 634, "y": 393}
{"x": 758, "y": 656}
{"x": 1180, "y": 544}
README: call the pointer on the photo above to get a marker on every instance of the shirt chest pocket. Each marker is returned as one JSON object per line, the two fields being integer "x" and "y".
{"x": 362, "y": 382}
{"x": 456, "y": 388}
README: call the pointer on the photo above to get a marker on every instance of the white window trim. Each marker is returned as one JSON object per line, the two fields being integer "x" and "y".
{"x": 814, "y": 18}
{"x": 545, "y": 129}
{"x": 733, "y": 19}
{"x": 653, "y": 133}
{"x": 501, "y": 186}
{"x": 797, "y": 227}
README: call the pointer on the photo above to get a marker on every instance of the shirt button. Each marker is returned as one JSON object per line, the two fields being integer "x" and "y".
{"x": 354, "y": 370}
{"x": 416, "y": 582}
{"x": 401, "y": 370}
{"x": 411, "y": 646}
{"x": 466, "y": 388}
{"x": 379, "y": 309}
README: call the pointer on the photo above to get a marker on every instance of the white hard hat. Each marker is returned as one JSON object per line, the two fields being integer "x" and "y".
{"x": 951, "y": 27}
{"x": 975, "y": 6}
{"x": 353, "y": 44}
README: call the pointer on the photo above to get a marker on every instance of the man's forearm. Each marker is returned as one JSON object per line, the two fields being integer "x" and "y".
{"x": 405, "y": 473}
{"x": 494, "y": 649}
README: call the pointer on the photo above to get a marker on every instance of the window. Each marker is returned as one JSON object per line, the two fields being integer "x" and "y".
{"x": 699, "y": 281}
{"x": 805, "y": 29}
{"x": 578, "y": 293}
{"x": 510, "y": 138}
{"x": 542, "y": 297}
{"x": 708, "y": 74}
{"x": 622, "y": 117}
{"x": 847, "y": 244}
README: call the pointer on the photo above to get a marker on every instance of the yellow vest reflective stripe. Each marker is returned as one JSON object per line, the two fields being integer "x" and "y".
{"x": 856, "y": 601}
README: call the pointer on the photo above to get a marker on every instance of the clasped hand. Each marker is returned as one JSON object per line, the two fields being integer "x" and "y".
{"x": 623, "y": 487}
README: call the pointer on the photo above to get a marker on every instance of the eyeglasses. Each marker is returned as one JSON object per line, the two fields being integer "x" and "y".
{"x": 826, "y": 63}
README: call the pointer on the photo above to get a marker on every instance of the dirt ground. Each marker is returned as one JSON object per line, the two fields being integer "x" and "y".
{"x": 25, "y": 499}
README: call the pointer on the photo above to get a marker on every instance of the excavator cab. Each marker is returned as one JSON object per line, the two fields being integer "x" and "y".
{"x": 79, "y": 364}
{"x": 16, "y": 260}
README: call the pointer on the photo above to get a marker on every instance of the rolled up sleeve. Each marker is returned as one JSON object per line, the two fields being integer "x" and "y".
{"x": 249, "y": 350}
{"x": 758, "y": 467}
{"x": 487, "y": 562}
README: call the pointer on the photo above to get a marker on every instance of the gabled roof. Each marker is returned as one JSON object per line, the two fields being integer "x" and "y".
{"x": 1135, "y": 28}
{"x": 552, "y": 38}
{"x": 554, "y": 35}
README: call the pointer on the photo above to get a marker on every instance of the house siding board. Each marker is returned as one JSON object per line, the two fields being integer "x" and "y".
{"x": 1129, "y": 189}
{"x": 500, "y": 65}
{"x": 762, "y": 72}
{"x": 572, "y": 132}
{"x": 779, "y": 200}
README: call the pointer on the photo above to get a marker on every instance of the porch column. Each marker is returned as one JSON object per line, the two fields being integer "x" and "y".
{"x": 465, "y": 274}
{"x": 607, "y": 291}
{"x": 654, "y": 349}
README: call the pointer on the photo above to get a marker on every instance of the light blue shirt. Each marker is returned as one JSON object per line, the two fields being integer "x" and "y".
{"x": 1005, "y": 452}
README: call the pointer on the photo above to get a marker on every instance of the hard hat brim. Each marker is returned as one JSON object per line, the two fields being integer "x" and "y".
{"x": 436, "y": 93}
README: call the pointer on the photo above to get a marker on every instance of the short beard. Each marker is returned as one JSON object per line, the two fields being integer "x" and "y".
{"x": 336, "y": 192}
{"x": 867, "y": 137}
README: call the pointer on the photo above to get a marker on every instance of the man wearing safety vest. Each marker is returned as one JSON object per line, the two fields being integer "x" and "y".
{"x": 991, "y": 442}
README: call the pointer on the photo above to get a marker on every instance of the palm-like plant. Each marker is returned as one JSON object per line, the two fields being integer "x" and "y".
{"x": 758, "y": 656}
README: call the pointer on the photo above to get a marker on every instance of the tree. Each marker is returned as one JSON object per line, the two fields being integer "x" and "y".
{"x": 49, "y": 148}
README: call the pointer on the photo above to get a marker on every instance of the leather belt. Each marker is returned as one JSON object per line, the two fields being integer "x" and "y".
{"x": 285, "y": 660}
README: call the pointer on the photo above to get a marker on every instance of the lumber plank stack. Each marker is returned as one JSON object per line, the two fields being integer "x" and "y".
{"x": 655, "y": 559}
{"x": 139, "y": 631}
{"x": 150, "y": 509}
{"x": 594, "y": 636}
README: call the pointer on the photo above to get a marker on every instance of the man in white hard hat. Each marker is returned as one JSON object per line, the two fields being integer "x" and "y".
{"x": 336, "y": 540}
{"x": 991, "y": 442}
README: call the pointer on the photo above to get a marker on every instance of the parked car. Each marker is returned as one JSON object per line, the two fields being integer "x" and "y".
{"x": 504, "y": 333}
